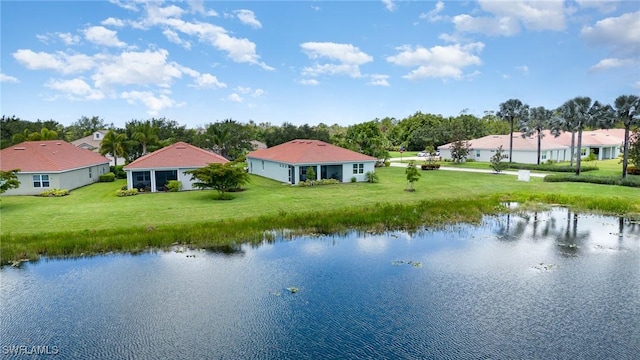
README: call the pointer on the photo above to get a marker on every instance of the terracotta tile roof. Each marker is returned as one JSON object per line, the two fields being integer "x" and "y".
{"x": 178, "y": 155}
{"x": 610, "y": 137}
{"x": 47, "y": 156}
{"x": 308, "y": 152}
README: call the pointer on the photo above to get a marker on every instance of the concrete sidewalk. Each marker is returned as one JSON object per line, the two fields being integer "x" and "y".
{"x": 396, "y": 163}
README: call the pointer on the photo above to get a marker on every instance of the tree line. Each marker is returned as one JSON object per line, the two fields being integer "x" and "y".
{"x": 416, "y": 132}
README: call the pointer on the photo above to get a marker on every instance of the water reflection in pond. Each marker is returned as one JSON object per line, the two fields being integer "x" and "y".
{"x": 539, "y": 285}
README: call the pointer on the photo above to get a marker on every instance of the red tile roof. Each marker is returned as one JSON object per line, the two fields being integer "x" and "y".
{"x": 308, "y": 152}
{"x": 178, "y": 155}
{"x": 48, "y": 156}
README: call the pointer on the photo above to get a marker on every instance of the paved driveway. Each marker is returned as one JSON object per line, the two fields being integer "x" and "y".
{"x": 396, "y": 163}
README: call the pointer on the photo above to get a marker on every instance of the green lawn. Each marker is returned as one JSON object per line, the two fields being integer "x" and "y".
{"x": 96, "y": 207}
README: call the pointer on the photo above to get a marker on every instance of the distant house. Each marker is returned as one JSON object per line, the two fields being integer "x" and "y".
{"x": 92, "y": 143}
{"x": 51, "y": 164}
{"x": 605, "y": 144}
{"x": 153, "y": 171}
{"x": 289, "y": 162}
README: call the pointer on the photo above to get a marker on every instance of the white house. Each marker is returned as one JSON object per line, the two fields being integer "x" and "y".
{"x": 289, "y": 162}
{"x": 51, "y": 164}
{"x": 92, "y": 143}
{"x": 605, "y": 144}
{"x": 153, "y": 171}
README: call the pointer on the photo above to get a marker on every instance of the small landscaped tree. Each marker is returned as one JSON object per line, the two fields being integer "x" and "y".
{"x": 496, "y": 160}
{"x": 220, "y": 177}
{"x": 412, "y": 175}
{"x": 9, "y": 180}
{"x": 634, "y": 149}
{"x": 460, "y": 149}
{"x": 311, "y": 174}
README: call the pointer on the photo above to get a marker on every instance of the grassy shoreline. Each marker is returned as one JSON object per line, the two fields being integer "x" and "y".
{"x": 93, "y": 220}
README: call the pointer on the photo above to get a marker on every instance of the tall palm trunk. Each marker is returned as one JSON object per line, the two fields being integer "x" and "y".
{"x": 573, "y": 148}
{"x": 625, "y": 156}
{"x": 579, "y": 152}
{"x": 539, "y": 145}
{"x": 511, "y": 141}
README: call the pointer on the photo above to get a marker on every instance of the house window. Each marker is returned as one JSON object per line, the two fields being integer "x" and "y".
{"x": 40, "y": 181}
{"x": 477, "y": 153}
{"x": 358, "y": 168}
{"x": 543, "y": 155}
{"x": 90, "y": 173}
{"x": 262, "y": 165}
{"x": 583, "y": 152}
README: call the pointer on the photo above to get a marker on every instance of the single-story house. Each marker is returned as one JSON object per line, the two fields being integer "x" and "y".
{"x": 92, "y": 143}
{"x": 289, "y": 162}
{"x": 51, "y": 164}
{"x": 153, "y": 171}
{"x": 605, "y": 144}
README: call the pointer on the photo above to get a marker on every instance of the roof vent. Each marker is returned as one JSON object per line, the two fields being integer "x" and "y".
{"x": 58, "y": 143}
{"x": 322, "y": 144}
{"x": 19, "y": 148}
{"x": 181, "y": 147}
{"x": 43, "y": 144}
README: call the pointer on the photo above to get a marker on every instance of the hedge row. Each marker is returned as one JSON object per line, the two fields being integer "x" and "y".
{"x": 551, "y": 167}
{"x": 604, "y": 180}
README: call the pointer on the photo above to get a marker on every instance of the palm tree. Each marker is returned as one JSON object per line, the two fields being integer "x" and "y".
{"x": 564, "y": 120}
{"x": 587, "y": 114}
{"x": 113, "y": 143}
{"x": 512, "y": 110}
{"x": 26, "y": 135}
{"x": 627, "y": 110}
{"x": 537, "y": 120}
{"x": 220, "y": 137}
{"x": 145, "y": 134}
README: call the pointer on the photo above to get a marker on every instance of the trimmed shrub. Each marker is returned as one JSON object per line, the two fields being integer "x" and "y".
{"x": 602, "y": 180}
{"x": 551, "y": 168}
{"x": 54, "y": 193}
{"x": 387, "y": 163}
{"x": 125, "y": 192}
{"x": 308, "y": 183}
{"x": 174, "y": 186}
{"x": 371, "y": 177}
{"x": 353, "y": 179}
{"x": 430, "y": 166}
{"x": 118, "y": 171}
{"x": 108, "y": 177}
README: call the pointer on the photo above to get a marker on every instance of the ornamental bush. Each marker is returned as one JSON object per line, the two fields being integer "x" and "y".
{"x": 174, "y": 186}
{"x": 108, "y": 177}
{"x": 122, "y": 193}
{"x": 55, "y": 193}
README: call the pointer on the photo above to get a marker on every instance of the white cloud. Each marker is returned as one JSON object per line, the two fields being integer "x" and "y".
{"x": 389, "y": 5}
{"x": 112, "y": 22}
{"x": 209, "y": 81}
{"x": 523, "y": 69}
{"x": 75, "y": 89}
{"x": 247, "y": 17}
{"x": 636, "y": 85}
{"x": 349, "y": 58}
{"x": 100, "y": 35}
{"x": 173, "y": 37}
{"x": 154, "y": 103}
{"x": 128, "y": 5}
{"x": 68, "y": 38}
{"x": 604, "y": 6}
{"x": 312, "y": 82}
{"x": 315, "y": 8}
{"x": 197, "y": 6}
{"x": 139, "y": 68}
{"x": 439, "y": 61}
{"x": 434, "y": 15}
{"x": 611, "y": 63}
{"x": 235, "y": 97}
{"x": 8, "y": 79}
{"x": 379, "y": 80}
{"x": 250, "y": 91}
{"x": 507, "y": 17}
{"x": 59, "y": 61}
{"x": 621, "y": 34}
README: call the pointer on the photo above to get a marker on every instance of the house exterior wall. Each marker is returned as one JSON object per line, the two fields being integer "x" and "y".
{"x": 280, "y": 171}
{"x": 69, "y": 180}
{"x": 270, "y": 169}
{"x": 187, "y": 183}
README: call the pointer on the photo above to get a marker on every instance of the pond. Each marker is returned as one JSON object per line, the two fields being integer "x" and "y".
{"x": 538, "y": 285}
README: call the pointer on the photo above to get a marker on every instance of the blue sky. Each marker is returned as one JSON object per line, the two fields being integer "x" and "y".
{"x": 197, "y": 62}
